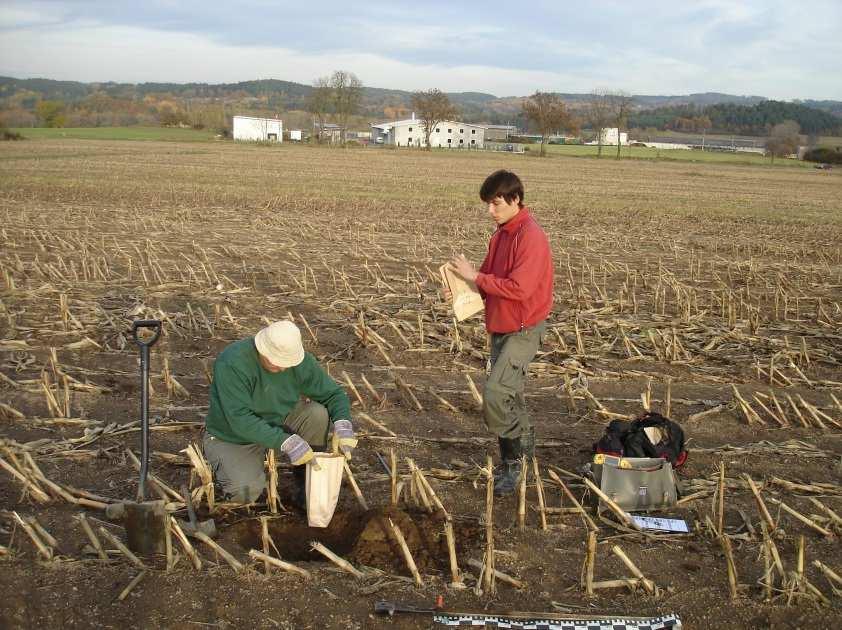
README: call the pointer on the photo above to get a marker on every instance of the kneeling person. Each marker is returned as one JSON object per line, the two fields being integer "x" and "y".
{"x": 257, "y": 403}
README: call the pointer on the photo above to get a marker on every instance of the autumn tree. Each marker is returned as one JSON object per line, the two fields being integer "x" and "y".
{"x": 548, "y": 113}
{"x": 347, "y": 93}
{"x": 598, "y": 114}
{"x": 395, "y": 112}
{"x": 319, "y": 103}
{"x": 51, "y": 113}
{"x": 619, "y": 105}
{"x": 433, "y": 108}
{"x": 783, "y": 139}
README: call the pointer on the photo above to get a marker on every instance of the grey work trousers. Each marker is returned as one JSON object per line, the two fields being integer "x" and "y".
{"x": 504, "y": 405}
{"x": 238, "y": 469}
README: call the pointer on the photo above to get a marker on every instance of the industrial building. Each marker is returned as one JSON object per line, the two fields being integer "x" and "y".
{"x": 250, "y": 129}
{"x": 448, "y": 134}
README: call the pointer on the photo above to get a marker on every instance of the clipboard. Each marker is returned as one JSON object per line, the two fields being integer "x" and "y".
{"x": 466, "y": 299}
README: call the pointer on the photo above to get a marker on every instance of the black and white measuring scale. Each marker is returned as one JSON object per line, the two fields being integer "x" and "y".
{"x": 667, "y": 622}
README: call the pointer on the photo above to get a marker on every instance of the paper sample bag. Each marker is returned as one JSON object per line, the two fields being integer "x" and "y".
{"x": 466, "y": 299}
{"x": 322, "y": 486}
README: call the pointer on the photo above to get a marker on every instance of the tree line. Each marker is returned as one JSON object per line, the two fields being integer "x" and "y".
{"x": 753, "y": 120}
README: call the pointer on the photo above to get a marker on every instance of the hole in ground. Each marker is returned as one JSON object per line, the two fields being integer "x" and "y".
{"x": 364, "y": 538}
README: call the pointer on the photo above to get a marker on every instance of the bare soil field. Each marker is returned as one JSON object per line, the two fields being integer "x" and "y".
{"x": 716, "y": 290}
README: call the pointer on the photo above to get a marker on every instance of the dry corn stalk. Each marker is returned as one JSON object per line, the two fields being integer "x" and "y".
{"x": 455, "y": 573}
{"x": 203, "y": 470}
{"x": 357, "y": 492}
{"x": 164, "y": 491}
{"x": 339, "y": 562}
{"x": 174, "y": 388}
{"x": 377, "y": 424}
{"x": 521, "y": 493}
{"x": 231, "y": 560}
{"x": 592, "y": 526}
{"x": 648, "y": 584}
{"x": 132, "y": 583}
{"x": 393, "y": 470}
{"x": 474, "y": 391}
{"x": 285, "y": 566}
{"x": 503, "y": 577}
{"x": 86, "y": 527}
{"x": 29, "y": 484}
{"x": 123, "y": 549}
{"x": 185, "y": 544}
{"x": 804, "y": 519}
{"x": 353, "y": 388}
{"x": 272, "y": 482}
{"x": 489, "y": 584}
{"x": 539, "y": 488}
{"x": 407, "y": 554}
{"x": 622, "y": 515}
{"x": 732, "y": 568}
{"x": 43, "y": 548}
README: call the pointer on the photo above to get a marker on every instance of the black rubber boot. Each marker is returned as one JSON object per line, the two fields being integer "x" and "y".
{"x": 506, "y": 476}
{"x": 299, "y": 494}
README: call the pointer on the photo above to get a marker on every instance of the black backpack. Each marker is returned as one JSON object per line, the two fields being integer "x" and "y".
{"x": 628, "y": 439}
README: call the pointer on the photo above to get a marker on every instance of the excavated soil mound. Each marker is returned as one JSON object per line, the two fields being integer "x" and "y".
{"x": 364, "y": 538}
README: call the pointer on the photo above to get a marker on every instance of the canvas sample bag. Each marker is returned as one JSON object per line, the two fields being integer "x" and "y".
{"x": 322, "y": 486}
{"x": 636, "y": 484}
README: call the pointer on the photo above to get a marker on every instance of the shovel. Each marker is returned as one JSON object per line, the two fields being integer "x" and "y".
{"x": 146, "y": 521}
{"x": 190, "y": 528}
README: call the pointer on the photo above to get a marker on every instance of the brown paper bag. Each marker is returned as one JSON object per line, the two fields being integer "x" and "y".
{"x": 322, "y": 486}
{"x": 466, "y": 299}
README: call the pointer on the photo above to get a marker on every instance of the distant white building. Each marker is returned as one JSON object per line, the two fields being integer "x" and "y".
{"x": 295, "y": 135}
{"x": 610, "y": 134}
{"x": 500, "y": 132}
{"x": 252, "y": 129}
{"x": 328, "y": 132}
{"x": 448, "y": 134}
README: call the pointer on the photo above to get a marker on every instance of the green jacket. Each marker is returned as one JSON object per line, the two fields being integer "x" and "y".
{"x": 248, "y": 405}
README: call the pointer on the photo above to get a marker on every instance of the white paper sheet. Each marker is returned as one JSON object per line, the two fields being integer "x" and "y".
{"x": 661, "y": 524}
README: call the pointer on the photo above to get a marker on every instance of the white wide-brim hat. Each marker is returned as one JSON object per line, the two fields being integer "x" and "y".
{"x": 280, "y": 343}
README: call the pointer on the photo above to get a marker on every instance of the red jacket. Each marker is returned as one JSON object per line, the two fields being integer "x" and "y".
{"x": 516, "y": 277}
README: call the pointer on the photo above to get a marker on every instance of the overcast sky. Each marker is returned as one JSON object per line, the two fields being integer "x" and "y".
{"x": 777, "y": 48}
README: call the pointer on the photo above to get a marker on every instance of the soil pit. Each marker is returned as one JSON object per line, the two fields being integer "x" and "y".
{"x": 364, "y": 538}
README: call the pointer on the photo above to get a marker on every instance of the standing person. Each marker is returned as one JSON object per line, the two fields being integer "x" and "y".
{"x": 256, "y": 403}
{"x": 516, "y": 282}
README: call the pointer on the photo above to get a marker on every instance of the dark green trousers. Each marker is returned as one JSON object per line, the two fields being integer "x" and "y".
{"x": 504, "y": 405}
{"x": 238, "y": 469}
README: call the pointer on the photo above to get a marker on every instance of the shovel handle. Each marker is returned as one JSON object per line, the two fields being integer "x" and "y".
{"x": 144, "y": 346}
{"x": 146, "y": 323}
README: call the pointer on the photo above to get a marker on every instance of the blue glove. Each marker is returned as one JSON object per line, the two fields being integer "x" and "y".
{"x": 343, "y": 437}
{"x": 298, "y": 451}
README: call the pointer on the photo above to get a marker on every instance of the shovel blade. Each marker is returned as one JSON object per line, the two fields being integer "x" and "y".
{"x": 146, "y": 527}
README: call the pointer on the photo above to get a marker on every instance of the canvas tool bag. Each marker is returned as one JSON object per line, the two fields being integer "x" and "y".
{"x": 636, "y": 484}
{"x": 322, "y": 486}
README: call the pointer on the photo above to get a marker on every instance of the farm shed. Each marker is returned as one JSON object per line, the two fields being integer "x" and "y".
{"x": 500, "y": 132}
{"x": 610, "y": 135}
{"x": 252, "y": 129}
{"x": 447, "y": 134}
{"x": 330, "y": 132}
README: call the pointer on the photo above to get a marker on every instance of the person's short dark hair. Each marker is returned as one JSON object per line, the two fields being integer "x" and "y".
{"x": 503, "y": 184}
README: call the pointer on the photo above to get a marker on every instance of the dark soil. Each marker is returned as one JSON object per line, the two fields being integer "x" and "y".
{"x": 364, "y": 538}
